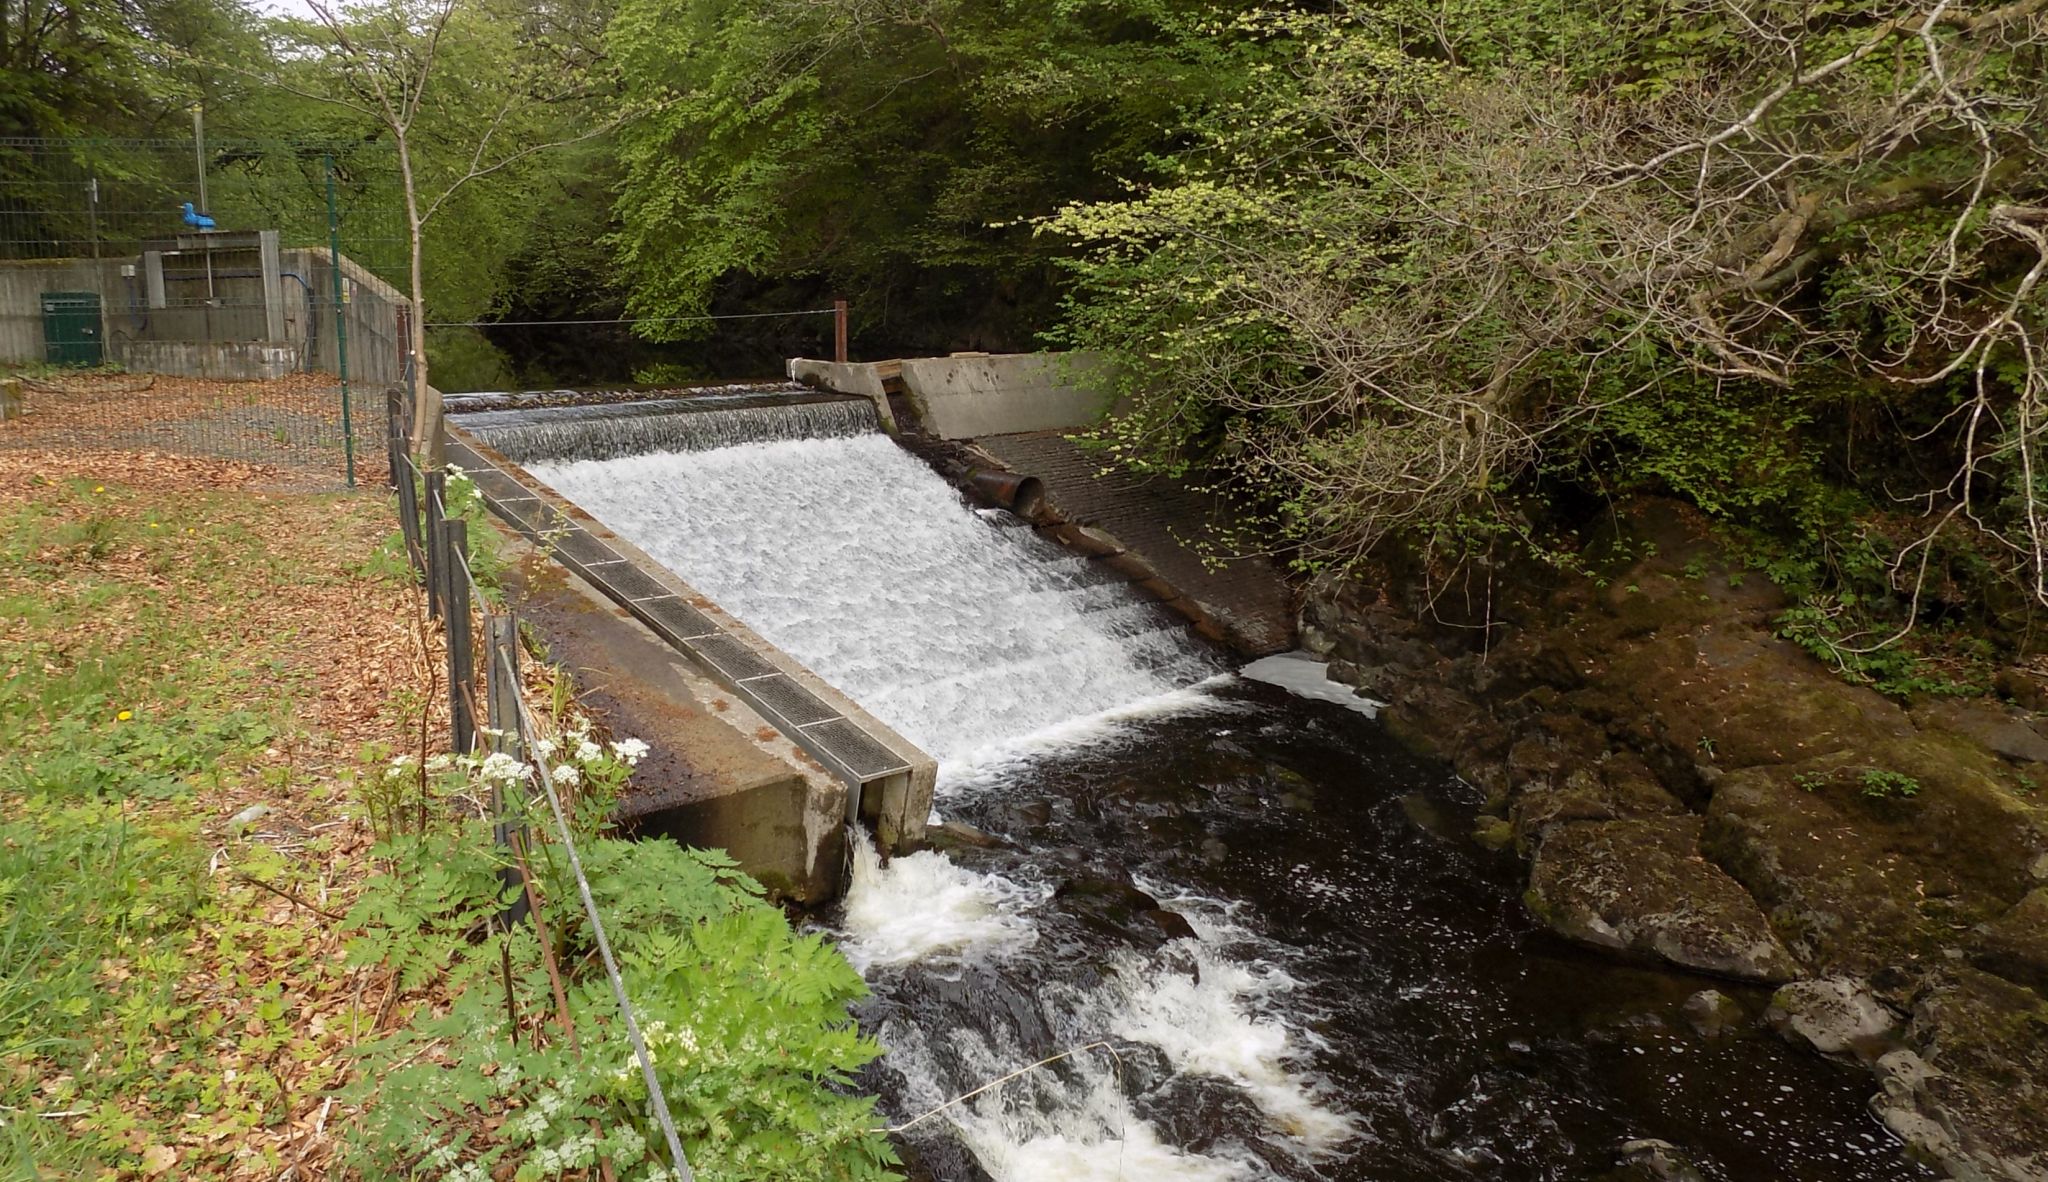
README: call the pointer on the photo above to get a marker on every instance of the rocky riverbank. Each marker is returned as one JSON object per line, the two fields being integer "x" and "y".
{"x": 1688, "y": 787}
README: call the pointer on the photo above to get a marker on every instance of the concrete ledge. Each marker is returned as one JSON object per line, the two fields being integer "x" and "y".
{"x": 971, "y": 395}
{"x": 710, "y": 778}
{"x": 234, "y": 361}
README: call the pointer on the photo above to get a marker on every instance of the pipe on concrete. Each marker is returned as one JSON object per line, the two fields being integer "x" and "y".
{"x": 1022, "y": 495}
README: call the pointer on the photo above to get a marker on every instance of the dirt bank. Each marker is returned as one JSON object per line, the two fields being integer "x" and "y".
{"x": 1690, "y": 788}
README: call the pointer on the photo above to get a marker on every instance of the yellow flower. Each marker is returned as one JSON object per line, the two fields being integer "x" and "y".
{"x": 99, "y": 488}
{"x": 125, "y": 715}
{"x": 154, "y": 525}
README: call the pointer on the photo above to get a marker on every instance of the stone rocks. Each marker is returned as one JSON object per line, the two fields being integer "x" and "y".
{"x": 1641, "y": 886}
{"x": 1835, "y": 1015}
{"x": 1689, "y": 786}
{"x": 2015, "y": 945}
{"x": 1660, "y": 1161}
{"x": 1975, "y": 1097}
{"x": 2000, "y": 729}
{"x": 1713, "y": 1013}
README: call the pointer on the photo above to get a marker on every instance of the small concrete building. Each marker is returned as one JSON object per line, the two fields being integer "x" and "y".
{"x": 218, "y": 304}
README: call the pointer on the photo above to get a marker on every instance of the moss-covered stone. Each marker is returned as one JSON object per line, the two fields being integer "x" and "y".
{"x": 1641, "y": 886}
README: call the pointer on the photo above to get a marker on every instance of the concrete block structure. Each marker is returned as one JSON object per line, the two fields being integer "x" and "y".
{"x": 229, "y": 305}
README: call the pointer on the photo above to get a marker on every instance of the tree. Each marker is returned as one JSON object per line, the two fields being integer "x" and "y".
{"x": 890, "y": 150}
{"x": 465, "y": 92}
{"x": 1449, "y": 247}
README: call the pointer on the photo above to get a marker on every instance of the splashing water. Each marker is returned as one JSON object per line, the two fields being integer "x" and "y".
{"x": 924, "y": 908}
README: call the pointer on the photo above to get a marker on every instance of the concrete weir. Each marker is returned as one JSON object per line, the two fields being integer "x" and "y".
{"x": 977, "y": 414}
{"x": 751, "y": 751}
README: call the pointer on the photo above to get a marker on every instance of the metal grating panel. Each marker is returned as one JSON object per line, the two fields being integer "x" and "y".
{"x": 634, "y": 583}
{"x": 855, "y": 748}
{"x": 465, "y": 457}
{"x": 675, "y": 619}
{"x": 785, "y": 699}
{"x": 497, "y": 485}
{"x": 730, "y": 657}
{"x": 531, "y": 515}
{"x": 582, "y": 549}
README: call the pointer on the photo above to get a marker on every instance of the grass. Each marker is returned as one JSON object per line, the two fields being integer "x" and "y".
{"x": 168, "y": 657}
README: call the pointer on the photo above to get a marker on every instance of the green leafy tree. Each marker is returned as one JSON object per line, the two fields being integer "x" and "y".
{"x": 887, "y": 149}
{"x": 1441, "y": 249}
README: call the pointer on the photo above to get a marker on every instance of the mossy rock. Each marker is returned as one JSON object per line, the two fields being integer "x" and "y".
{"x": 1640, "y": 886}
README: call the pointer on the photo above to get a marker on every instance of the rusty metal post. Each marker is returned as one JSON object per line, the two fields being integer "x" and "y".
{"x": 437, "y": 490}
{"x": 839, "y": 331}
{"x": 455, "y": 616}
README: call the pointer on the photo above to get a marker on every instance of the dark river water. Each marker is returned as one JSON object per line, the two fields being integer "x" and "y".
{"x": 1362, "y": 995}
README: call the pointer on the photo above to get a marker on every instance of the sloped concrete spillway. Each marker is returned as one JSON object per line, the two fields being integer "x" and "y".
{"x": 1248, "y": 930}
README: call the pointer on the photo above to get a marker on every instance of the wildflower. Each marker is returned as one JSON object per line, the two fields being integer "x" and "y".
{"x": 629, "y": 750}
{"x": 154, "y": 525}
{"x": 500, "y": 766}
{"x": 543, "y": 747}
{"x": 99, "y": 488}
{"x": 567, "y": 776}
{"x": 587, "y": 751}
{"x": 124, "y": 716}
{"x": 440, "y": 763}
{"x": 400, "y": 762}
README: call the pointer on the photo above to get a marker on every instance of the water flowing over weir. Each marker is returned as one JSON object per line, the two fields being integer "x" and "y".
{"x": 1251, "y": 924}
{"x": 701, "y": 422}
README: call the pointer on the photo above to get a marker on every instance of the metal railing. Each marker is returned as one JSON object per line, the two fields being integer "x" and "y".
{"x": 438, "y": 548}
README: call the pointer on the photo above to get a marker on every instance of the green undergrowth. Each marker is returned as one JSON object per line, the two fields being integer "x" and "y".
{"x": 745, "y": 1021}
{"x": 147, "y": 984}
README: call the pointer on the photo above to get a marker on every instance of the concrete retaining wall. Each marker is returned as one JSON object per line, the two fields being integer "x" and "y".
{"x": 971, "y": 395}
{"x": 235, "y": 339}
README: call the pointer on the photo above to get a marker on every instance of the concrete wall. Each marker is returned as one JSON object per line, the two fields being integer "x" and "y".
{"x": 971, "y": 395}
{"x": 235, "y": 340}
{"x": 965, "y": 397}
{"x": 22, "y": 285}
{"x": 370, "y": 311}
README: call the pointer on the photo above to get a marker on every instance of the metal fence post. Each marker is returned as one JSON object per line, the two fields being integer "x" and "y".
{"x": 409, "y": 510}
{"x": 501, "y": 709}
{"x": 437, "y": 489}
{"x": 392, "y": 412}
{"x": 455, "y": 615}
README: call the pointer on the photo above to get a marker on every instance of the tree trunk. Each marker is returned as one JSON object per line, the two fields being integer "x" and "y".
{"x": 427, "y": 440}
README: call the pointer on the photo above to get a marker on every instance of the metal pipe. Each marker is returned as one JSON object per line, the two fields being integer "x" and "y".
{"x": 1021, "y": 495}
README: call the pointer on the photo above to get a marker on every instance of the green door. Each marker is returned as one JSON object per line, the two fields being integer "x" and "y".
{"x": 71, "y": 328}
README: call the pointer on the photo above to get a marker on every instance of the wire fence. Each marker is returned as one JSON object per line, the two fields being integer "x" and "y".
{"x": 294, "y": 426}
{"x": 90, "y": 198}
{"x": 438, "y": 547}
{"x": 250, "y": 277}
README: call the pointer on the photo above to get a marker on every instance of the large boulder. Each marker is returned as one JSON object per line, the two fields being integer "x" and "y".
{"x": 1836, "y": 1015}
{"x": 1975, "y": 1098}
{"x": 2015, "y": 945}
{"x": 1641, "y": 886}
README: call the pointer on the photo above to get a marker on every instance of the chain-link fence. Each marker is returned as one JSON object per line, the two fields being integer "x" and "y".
{"x": 294, "y": 424}
{"x": 209, "y": 298}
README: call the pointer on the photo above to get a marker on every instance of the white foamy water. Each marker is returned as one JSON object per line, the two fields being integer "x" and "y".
{"x": 922, "y": 907}
{"x": 964, "y": 633}
{"x": 1212, "y": 1007}
{"x": 1306, "y": 677}
{"x": 1225, "y": 1020}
